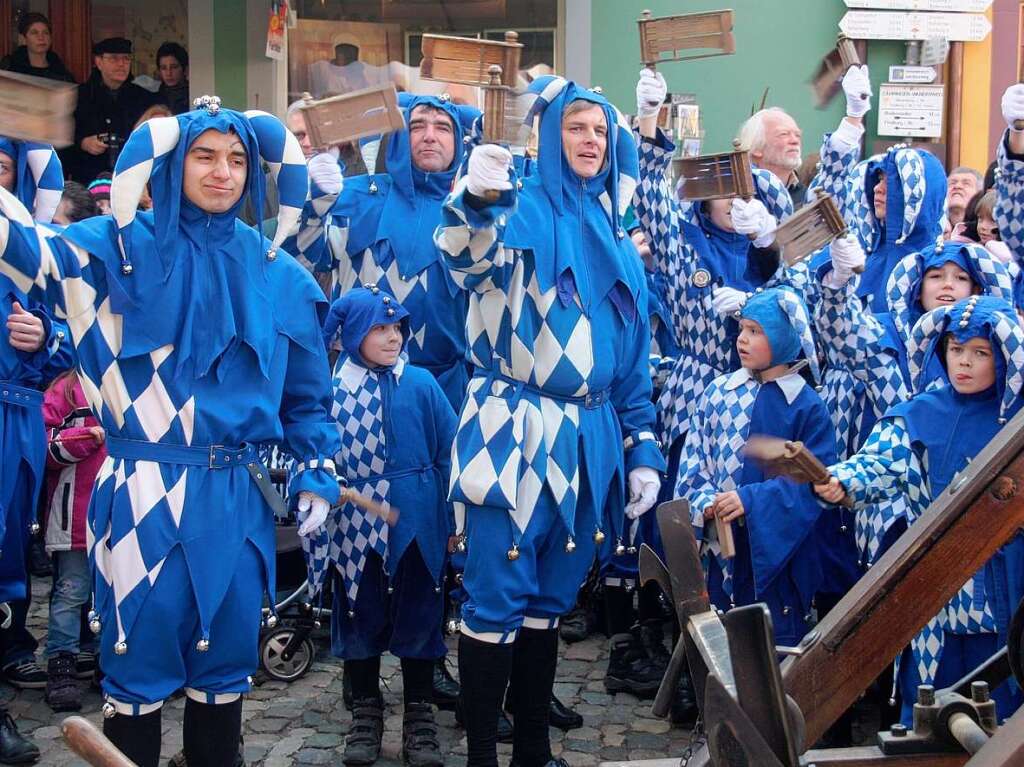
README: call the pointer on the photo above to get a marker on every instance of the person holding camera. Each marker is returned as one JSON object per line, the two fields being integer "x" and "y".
{"x": 109, "y": 104}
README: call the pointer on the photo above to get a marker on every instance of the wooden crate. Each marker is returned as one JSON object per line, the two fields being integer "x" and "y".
{"x": 339, "y": 119}
{"x": 466, "y": 60}
{"x": 665, "y": 38}
{"x": 37, "y": 109}
{"x": 832, "y": 68}
{"x": 716, "y": 176}
{"x": 809, "y": 229}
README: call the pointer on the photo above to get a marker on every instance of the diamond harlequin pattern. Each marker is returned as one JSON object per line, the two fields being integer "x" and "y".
{"x": 1009, "y": 210}
{"x": 711, "y": 461}
{"x": 350, "y": 533}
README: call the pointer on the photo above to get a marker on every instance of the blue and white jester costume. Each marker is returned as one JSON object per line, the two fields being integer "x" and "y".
{"x": 381, "y": 233}
{"x": 914, "y": 450}
{"x": 399, "y": 461}
{"x": 777, "y": 546}
{"x": 696, "y": 257}
{"x": 396, "y": 430}
{"x": 1009, "y": 209}
{"x": 915, "y": 184}
{"x": 558, "y": 333}
{"x": 181, "y": 533}
{"x": 38, "y": 182}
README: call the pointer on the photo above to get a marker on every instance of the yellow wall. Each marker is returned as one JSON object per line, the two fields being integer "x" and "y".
{"x": 977, "y": 83}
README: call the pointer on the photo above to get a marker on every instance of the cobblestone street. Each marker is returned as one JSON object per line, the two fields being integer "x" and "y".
{"x": 304, "y": 723}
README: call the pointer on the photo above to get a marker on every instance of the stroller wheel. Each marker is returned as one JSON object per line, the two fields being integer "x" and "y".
{"x": 272, "y": 655}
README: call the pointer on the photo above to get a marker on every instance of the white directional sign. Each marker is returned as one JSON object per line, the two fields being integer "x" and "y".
{"x": 902, "y": 73}
{"x": 885, "y": 25}
{"x": 910, "y": 110}
{"x": 962, "y": 6}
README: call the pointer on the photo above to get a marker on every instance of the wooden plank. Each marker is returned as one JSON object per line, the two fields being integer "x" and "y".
{"x": 466, "y": 60}
{"x": 981, "y": 510}
{"x": 869, "y": 756}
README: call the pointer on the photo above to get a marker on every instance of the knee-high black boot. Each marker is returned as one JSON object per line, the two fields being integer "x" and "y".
{"x": 483, "y": 670}
{"x": 533, "y": 668}
{"x": 211, "y": 733}
{"x": 138, "y": 737}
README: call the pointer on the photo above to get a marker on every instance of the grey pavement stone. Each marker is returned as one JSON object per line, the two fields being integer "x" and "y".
{"x": 305, "y": 722}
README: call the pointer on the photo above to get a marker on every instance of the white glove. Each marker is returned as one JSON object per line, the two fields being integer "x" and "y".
{"x": 325, "y": 172}
{"x": 1013, "y": 104}
{"x": 315, "y": 508}
{"x": 847, "y": 255}
{"x": 644, "y": 484}
{"x": 650, "y": 92}
{"x": 488, "y": 170}
{"x": 999, "y": 250}
{"x": 727, "y": 301}
{"x": 752, "y": 217}
{"x": 857, "y": 87}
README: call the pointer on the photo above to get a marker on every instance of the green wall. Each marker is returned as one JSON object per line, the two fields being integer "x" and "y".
{"x": 229, "y": 51}
{"x": 779, "y": 44}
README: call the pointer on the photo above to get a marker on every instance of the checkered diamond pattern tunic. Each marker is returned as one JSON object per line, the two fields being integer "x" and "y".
{"x": 889, "y": 462}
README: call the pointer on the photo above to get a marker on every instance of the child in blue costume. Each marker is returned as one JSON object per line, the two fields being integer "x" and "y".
{"x": 396, "y": 429}
{"x": 918, "y": 447}
{"x": 868, "y": 364}
{"x": 33, "y": 350}
{"x": 381, "y": 233}
{"x": 195, "y": 340}
{"x": 558, "y": 332}
{"x": 895, "y": 205}
{"x": 773, "y": 519}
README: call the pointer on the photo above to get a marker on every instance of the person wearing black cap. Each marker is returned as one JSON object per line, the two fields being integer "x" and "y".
{"x": 109, "y": 104}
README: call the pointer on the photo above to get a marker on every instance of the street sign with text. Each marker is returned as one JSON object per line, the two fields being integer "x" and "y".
{"x": 961, "y": 6}
{"x": 888, "y": 25}
{"x": 912, "y": 111}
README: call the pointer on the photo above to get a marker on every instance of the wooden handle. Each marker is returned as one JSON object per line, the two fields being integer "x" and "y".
{"x": 388, "y": 514}
{"x": 89, "y": 743}
{"x": 858, "y": 269}
{"x": 1018, "y": 125}
{"x": 492, "y": 195}
{"x": 725, "y": 539}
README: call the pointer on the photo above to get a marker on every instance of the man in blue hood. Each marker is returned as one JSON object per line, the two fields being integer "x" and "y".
{"x": 31, "y": 353}
{"x": 558, "y": 414}
{"x": 381, "y": 233}
{"x": 196, "y": 341}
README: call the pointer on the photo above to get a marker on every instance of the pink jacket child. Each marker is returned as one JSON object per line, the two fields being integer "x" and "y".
{"x": 76, "y": 452}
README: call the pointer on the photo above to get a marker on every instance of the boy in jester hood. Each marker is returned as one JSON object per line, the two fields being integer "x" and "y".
{"x": 195, "y": 340}
{"x": 396, "y": 430}
{"x": 918, "y": 447}
{"x": 33, "y": 350}
{"x": 558, "y": 415}
{"x": 774, "y": 520}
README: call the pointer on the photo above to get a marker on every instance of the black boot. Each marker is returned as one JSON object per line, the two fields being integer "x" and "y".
{"x": 346, "y": 689}
{"x": 420, "y": 746}
{"x": 445, "y": 688}
{"x": 484, "y": 669}
{"x": 629, "y": 668}
{"x": 563, "y": 717}
{"x": 533, "y": 669}
{"x": 138, "y": 737}
{"x": 211, "y": 733}
{"x": 15, "y": 748}
{"x": 62, "y": 691}
{"x": 652, "y": 638}
{"x": 362, "y": 744}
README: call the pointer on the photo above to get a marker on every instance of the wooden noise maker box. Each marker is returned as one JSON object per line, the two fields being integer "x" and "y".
{"x": 466, "y": 60}
{"x": 686, "y": 36}
{"x": 339, "y": 119}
